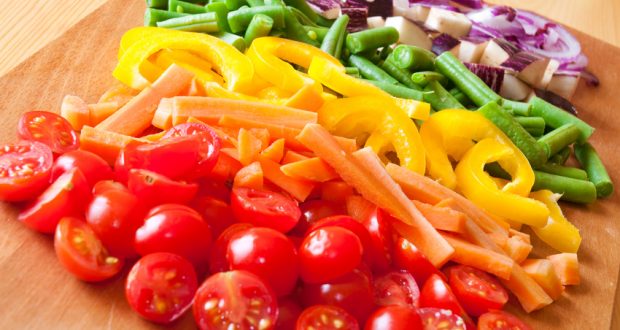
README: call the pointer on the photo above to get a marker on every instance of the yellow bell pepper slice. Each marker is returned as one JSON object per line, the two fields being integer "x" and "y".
{"x": 558, "y": 233}
{"x": 237, "y": 69}
{"x": 200, "y": 68}
{"x": 478, "y": 186}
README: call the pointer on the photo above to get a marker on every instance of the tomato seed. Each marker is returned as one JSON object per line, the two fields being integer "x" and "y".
{"x": 264, "y": 324}
{"x": 111, "y": 260}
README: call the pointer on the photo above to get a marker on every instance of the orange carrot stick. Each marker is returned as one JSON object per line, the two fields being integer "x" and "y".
{"x": 292, "y": 156}
{"x": 275, "y": 151}
{"x": 248, "y": 147}
{"x": 250, "y": 176}
{"x": 312, "y": 169}
{"x": 119, "y": 94}
{"x": 98, "y": 112}
{"x": 566, "y": 267}
{"x": 358, "y": 207}
{"x": 299, "y": 189}
{"x": 162, "y": 117}
{"x": 518, "y": 249}
{"x": 443, "y": 218}
{"x": 542, "y": 271}
{"x": 104, "y": 143}
{"x": 226, "y": 167}
{"x": 469, "y": 254}
{"x": 75, "y": 111}
{"x": 275, "y": 131}
{"x": 336, "y": 191}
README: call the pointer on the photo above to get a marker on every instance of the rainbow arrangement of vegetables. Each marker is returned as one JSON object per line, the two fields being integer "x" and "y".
{"x": 276, "y": 151}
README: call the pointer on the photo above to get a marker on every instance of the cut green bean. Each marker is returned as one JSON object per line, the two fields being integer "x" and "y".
{"x": 351, "y": 70}
{"x": 440, "y": 98}
{"x": 240, "y": 19}
{"x": 204, "y": 27}
{"x": 422, "y": 78}
{"x": 190, "y": 20}
{"x": 470, "y": 84}
{"x": 559, "y": 138}
{"x": 412, "y": 58}
{"x": 295, "y": 30}
{"x": 556, "y": 117}
{"x": 152, "y": 16}
{"x": 561, "y": 157}
{"x": 326, "y": 22}
{"x": 371, "y": 39}
{"x": 531, "y": 122}
{"x": 403, "y": 76}
{"x": 593, "y": 165}
{"x": 318, "y": 32}
{"x": 234, "y": 4}
{"x": 399, "y": 91}
{"x": 301, "y": 17}
{"x": 221, "y": 11}
{"x": 495, "y": 170}
{"x": 185, "y": 7}
{"x": 569, "y": 172}
{"x": 460, "y": 96}
{"x": 517, "y": 108}
{"x": 260, "y": 26}
{"x": 157, "y": 4}
{"x": 334, "y": 36}
{"x": 304, "y": 8}
{"x": 371, "y": 55}
{"x": 385, "y": 52}
{"x": 370, "y": 71}
{"x": 532, "y": 150}
{"x": 572, "y": 190}
{"x": 232, "y": 39}
{"x": 255, "y": 3}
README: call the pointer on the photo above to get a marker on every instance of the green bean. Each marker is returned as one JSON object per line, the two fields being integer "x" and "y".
{"x": 371, "y": 55}
{"x": 422, "y": 78}
{"x": 255, "y": 3}
{"x": 334, "y": 36}
{"x": 185, "y": 7}
{"x": 303, "y": 7}
{"x": 460, "y": 96}
{"x": 398, "y": 91}
{"x": 572, "y": 190}
{"x": 496, "y": 171}
{"x": 234, "y": 4}
{"x": 232, "y": 39}
{"x": 241, "y": 18}
{"x": 152, "y": 16}
{"x": 157, "y": 4}
{"x": 277, "y": 33}
{"x": 517, "y": 108}
{"x": 413, "y": 58}
{"x": 592, "y": 163}
{"x": 295, "y": 30}
{"x": 351, "y": 70}
{"x": 188, "y": 20}
{"x": 221, "y": 11}
{"x": 371, "y": 39}
{"x": 556, "y": 117}
{"x": 260, "y": 26}
{"x": 326, "y": 22}
{"x": 559, "y": 138}
{"x": 533, "y": 151}
{"x": 204, "y": 27}
{"x": 440, "y": 98}
{"x": 531, "y": 122}
{"x": 465, "y": 80}
{"x": 303, "y": 19}
{"x": 403, "y": 76}
{"x": 319, "y": 32}
{"x": 385, "y": 52}
{"x": 370, "y": 71}
{"x": 561, "y": 157}
{"x": 569, "y": 172}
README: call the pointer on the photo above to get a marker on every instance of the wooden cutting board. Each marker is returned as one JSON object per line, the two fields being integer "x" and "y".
{"x": 36, "y": 292}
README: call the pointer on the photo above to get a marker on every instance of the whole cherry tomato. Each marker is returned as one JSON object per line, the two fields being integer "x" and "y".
{"x": 477, "y": 291}
{"x": 394, "y": 318}
{"x": 25, "y": 169}
{"x": 219, "y": 261}
{"x": 49, "y": 129}
{"x": 93, "y": 167}
{"x": 377, "y": 224}
{"x": 265, "y": 208}
{"x": 351, "y": 224}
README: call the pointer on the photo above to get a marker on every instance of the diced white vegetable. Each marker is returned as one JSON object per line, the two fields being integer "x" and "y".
{"x": 514, "y": 89}
{"x": 417, "y": 13}
{"x": 563, "y": 85}
{"x": 410, "y": 33}
{"x": 539, "y": 73}
{"x": 494, "y": 54}
{"x": 445, "y": 21}
{"x": 375, "y": 22}
{"x": 469, "y": 52}
{"x": 399, "y": 7}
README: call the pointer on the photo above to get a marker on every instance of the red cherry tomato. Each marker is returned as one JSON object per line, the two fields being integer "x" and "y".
{"x": 216, "y": 213}
{"x": 48, "y": 128}
{"x": 326, "y": 317}
{"x": 409, "y": 258}
{"x": 288, "y": 313}
{"x": 436, "y": 293}
{"x": 268, "y": 254}
{"x": 175, "y": 229}
{"x": 394, "y": 318}
{"x": 314, "y": 210}
{"x": 397, "y": 288}
{"x": 66, "y": 197}
{"x": 235, "y": 300}
{"x": 500, "y": 320}
{"x": 161, "y": 286}
{"x": 352, "y": 292}
{"x": 264, "y": 208}
{"x": 219, "y": 261}
{"x": 476, "y": 290}
{"x": 93, "y": 167}
{"x": 82, "y": 253}
{"x": 156, "y": 189}
{"x": 105, "y": 185}
{"x": 328, "y": 253}
{"x": 440, "y": 319}
{"x": 351, "y": 224}
{"x": 25, "y": 169}
{"x": 214, "y": 188}
{"x": 209, "y": 145}
{"x": 376, "y": 223}
{"x": 115, "y": 215}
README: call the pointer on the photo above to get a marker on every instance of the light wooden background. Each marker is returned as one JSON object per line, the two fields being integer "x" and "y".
{"x": 28, "y": 25}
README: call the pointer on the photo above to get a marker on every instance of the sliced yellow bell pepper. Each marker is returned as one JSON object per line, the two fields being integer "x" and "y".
{"x": 194, "y": 64}
{"x": 478, "y": 186}
{"x": 558, "y": 233}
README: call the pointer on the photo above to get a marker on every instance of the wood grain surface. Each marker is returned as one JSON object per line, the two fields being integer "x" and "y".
{"x": 36, "y": 293}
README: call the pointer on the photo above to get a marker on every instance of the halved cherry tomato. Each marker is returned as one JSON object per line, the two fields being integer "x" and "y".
{"x": 215, "y": 212}
{"x": 66, "y": 197}
{"x": 25, "y": 169}
{"x": 214, "y": 188}
{"x": 476, "y": 290}
{"x": 352, "y": 292}
{"x": 93, "y": 167}
{"x": 209, "y": 147}
{"x": 156, "y": 189}
{"x": 378, "y": 227}
{"x": 314, "y": 210}
{"x": 268, "y": 254}
{"x": 264, "y": 208}
{"x": 328, "y": 253}
{"x": 82, "y": 253}
{"x": 394, "y": 318}
{"x": 105, "y": 185}
{"x": 397, "y": 288}
{"x": 48, "y": 128}
{"x": 500, "y": 320}
{"x": 326, "y": 317}
{"x": 440, "y": 319}
{"x": 436, "y": 293}
{"x": 177, "y": 229}
{"x": 115, "y": 215}
{"x": 161, "y": 286}
{"x": 218, "y": 261}
{"x": 235, "y": 300}
{"x": 409, "y": 258}
{"x": 288, "y": 313}
{"x": 351, "y": 224}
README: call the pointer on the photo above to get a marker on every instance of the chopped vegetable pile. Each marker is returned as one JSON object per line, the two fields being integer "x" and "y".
{"x": 283, "y": 164}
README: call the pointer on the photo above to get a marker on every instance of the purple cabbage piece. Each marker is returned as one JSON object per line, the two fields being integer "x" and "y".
{"x": 492, "y": 76}
{"x": 324, "y": 5}
{"x": 521, "y": 60}
{"x": 556, "y": 100}
{"x": 358, "y": 18}
{"x": 443, "y": 43}
{"x": 383, "y": 8}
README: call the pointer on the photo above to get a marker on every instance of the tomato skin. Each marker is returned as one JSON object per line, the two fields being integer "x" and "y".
{"x": 48, "y": 128}
{"x": 324, "y": 316}
{"x": 394, "y": 318}
{"x": 477, "y": 291}
{"x": 328, "y": 253}
{"x": 441, "y": 319}
{"x": 397, "y": 288}
{"x": 376, "y": 222}
{"x": 216, "y": 213}
{"x": 288, "y": 313}
{"x": 436, "y": 293}
{"x": 225, "y": 299}
{"x": 93, "y": 167}
{"x": 210, "y": 145}
{"x": 175, "y": 229}
{"x": 66, "y": 197}
{"x": 81, "y": 253}
{"x": 155, "y": 189}
{"x": 161, "y": 286}
{"x": 219, "y": 260}
{"x": 500, "y": 320}
{"x": 19, "y": 183}
{"x": 314, "y": 210}
{"x": 409, "y": 258}
{"x": 351, "y": 224}
{"x": 263, "y": 208}
{"x": 106, "y": 185}
{"x": 268, "y": 254}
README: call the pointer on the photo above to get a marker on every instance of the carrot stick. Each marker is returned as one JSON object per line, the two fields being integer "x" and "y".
{"x": 469, "y": 254}
{"x": 162, "y": 117}
{"x": 98, "y": 112}
{"x": 336, "y": 191}
{"x": 542, "y": 271}
{"x": 250, "y": 176}
{"x": 443, "y": 218}
{"x": 312, "y": 169}
{"x": 291, "y": 156}
{"x": 348, "y": 145}
{"x": 135, "y": 116}
{"x": 232, "y": 153}
{"x": 358, "y": 207}
{"x": 364, "y": 171}
{"x": 518, "y": 249}
{"x": 195, "y": 88}
{"x": 275, "y": 131}
{"x": 524, "y": 237}
{"x": 275, "y": 151}
{"x": 120, "y": 94}
{"x": 566, "y": 266}
{"x": 299, "y": 189}
{"x": 75, "y": 111}
{"x": 226, "y": 167}
{"x": 155, "y": 136}
{"x": 248, "y": 148}
{"x": 262, "y": 134}
{"x": 104, "y": 143}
